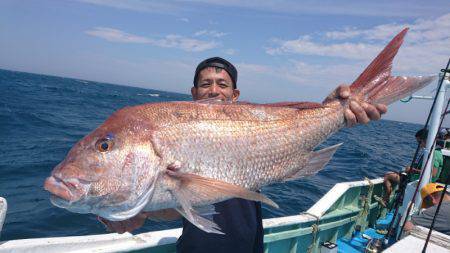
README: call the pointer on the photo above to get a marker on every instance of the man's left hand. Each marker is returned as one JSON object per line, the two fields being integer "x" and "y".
{"x": 359, "y": 112}
{"x": 125, "y": 225}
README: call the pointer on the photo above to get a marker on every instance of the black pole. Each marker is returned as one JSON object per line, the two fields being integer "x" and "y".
{"x": 429, "y": 154}
{"x": 421, "y": 174}
{"x": 447, "y": 181}
{"x": 436, "y": 214}
{"x": 402, "y": 191}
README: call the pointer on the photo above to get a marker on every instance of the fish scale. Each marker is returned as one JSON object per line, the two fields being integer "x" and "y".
{"x": 242, "y": 151}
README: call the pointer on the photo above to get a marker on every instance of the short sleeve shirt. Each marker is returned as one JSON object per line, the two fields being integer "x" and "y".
{"x": 438, "y": 162}
{"x": 239, "y": 219}
{"x": 442, "y": 222}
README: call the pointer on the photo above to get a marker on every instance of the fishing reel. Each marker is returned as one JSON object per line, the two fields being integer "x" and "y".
{"x": 375, "y": 246}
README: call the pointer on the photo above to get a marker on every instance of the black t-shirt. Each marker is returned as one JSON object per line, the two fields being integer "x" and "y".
{"x": 241, "y": 222}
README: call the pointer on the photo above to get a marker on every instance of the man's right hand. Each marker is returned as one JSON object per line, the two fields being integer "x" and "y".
{"x": 410, "y": 170}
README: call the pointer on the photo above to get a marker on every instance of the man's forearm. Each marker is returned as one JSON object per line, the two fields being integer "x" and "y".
{"x": 163, "y": 215}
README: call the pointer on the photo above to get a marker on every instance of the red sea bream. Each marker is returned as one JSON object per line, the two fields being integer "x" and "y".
{"x": 188, "y": 155}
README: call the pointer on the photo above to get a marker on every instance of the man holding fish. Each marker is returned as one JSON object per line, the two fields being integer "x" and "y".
{"x": 240, "y": 220}
{"x": 210, "y": 157}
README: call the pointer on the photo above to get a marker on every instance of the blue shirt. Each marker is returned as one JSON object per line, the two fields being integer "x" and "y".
{"x": 239, "y": 219}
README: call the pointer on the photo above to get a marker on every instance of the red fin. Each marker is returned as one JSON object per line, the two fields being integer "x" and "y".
{"x": 398, "y": 87}
{"x": 202, "y": 188}
{"x": 376, "y": 85}
{"x": 296, "y": 105}
{"x": 214, "y": 101}
{"x": 380, "y": 68}
{"x": 192, "y": 190}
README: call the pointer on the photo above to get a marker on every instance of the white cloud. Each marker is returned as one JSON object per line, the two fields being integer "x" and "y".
{"x": 305, "y": 46}
{"x": 138, "y": 5}
{"x": 420, "y": 30}
{"x": 303, "y": 74}
{"x": 187, "y": 44}
{"x": 115, "y": 35}
{"x": 186, "y": 20}
{"x": 425, "y": 50}
{"x": 169, "y": 41}
{"x": 384, "y": 8}
{"x": 230, "y": 51}
{"x": 211, "y": 33}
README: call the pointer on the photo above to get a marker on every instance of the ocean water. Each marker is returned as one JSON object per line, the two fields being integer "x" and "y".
{"x": 41, "y": 117}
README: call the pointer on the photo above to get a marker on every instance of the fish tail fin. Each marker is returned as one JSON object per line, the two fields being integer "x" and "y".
{"x": 376, "y": 85}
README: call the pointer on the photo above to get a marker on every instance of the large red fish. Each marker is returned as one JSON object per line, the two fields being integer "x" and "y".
{"x": 188, "y": 155}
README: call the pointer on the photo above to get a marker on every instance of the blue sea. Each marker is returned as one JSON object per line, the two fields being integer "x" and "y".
{"x": 42, "y": 117}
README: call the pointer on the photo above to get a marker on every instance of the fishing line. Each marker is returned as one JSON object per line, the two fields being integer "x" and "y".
{"x": 401, "y": 194}
{"x": 421, "y": 175}
{"x": 430, "y": 153}
{"x": 444, "y": 192}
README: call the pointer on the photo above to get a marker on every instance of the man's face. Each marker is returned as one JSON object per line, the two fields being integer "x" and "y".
{"x": 422, "y": 143}
{"x": 214, "y": 83}
{"x": 432, "y": 199}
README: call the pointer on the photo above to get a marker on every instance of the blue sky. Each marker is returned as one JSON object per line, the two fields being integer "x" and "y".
{"x": 284, "y": 50}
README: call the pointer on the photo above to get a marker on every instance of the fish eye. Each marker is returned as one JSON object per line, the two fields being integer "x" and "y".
{"x": 104, "y": 145}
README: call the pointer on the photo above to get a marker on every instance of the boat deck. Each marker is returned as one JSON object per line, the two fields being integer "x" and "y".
{"x": 415, "y": 241}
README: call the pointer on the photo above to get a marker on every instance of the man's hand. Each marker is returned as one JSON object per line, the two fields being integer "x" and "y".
{"x": 139, "y": 220}
{"x": 126, "y": 225}
{"x": 409, "y": 226}
{"x": 358, "y": 112}
{"x": 408, "y": 169}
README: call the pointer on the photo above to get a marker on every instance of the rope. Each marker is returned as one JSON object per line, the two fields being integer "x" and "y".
{"x": 366, "y": 202}
{"x": 314, "y": 231}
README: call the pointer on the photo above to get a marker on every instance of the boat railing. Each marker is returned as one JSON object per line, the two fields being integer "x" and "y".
{"x": 3, "y": 208}
{"x": 334, "y": 216}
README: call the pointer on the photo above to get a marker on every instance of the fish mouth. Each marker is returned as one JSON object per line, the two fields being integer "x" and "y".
{"x": 70, "y": 190}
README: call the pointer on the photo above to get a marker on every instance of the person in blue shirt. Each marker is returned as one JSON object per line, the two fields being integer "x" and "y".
{"x": 240, "y": 220}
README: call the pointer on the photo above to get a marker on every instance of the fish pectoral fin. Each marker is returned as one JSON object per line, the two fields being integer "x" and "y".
{"x": 194, "y": 217}
{"x": 207, "y": 210}
{"x": 193, "y": 190}
{"x": 316, "y": 162}
{"x": 199, "y": 189}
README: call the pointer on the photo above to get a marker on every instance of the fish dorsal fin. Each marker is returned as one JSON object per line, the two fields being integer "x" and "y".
{"x": 214, "y": 101}
{"x": 192, "y": 190}
{"x": 296, "y": 105}
{"x": 316, "y": 162}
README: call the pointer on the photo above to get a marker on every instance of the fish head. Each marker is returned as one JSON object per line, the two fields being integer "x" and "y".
{"x": 111, "y": 172}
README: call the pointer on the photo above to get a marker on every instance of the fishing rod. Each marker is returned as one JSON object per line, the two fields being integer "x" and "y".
{"x": 436, "y": 214}
{"x": 403, "y": 180}
{"x": 420, "y": 180}
{"x": 429, "y": 154}
{"x": 447, "y": 182}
